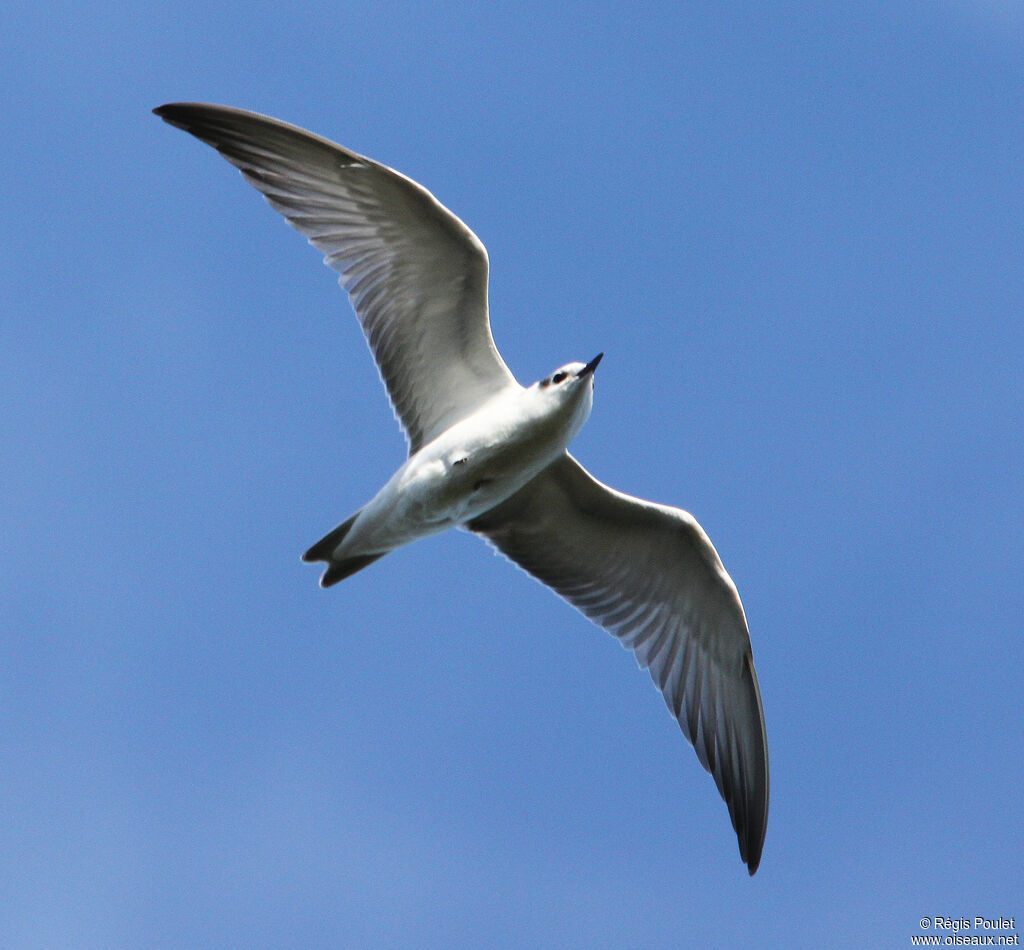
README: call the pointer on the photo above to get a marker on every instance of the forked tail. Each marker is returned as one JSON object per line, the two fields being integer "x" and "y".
{"x": 338, "y": 568}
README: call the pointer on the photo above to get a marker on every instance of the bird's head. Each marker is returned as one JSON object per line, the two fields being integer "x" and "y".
{"x": 571, "y": 388}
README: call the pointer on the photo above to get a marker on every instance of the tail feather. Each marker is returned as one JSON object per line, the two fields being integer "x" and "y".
{"x": 338, "y": 568}
{"x": 328, "y": 544}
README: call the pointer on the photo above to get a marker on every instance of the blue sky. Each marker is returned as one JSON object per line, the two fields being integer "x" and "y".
{"x": 794, "y": 230}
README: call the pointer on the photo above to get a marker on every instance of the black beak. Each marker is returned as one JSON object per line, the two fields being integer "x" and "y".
{"x": 590, "y": 367}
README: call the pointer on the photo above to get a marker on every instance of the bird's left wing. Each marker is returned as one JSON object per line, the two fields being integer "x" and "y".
{"x": 649, "y": 575}
{"x": 415, "y": 274}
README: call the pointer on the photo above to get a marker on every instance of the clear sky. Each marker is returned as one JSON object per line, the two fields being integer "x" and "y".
{"x": 795, "y": 230}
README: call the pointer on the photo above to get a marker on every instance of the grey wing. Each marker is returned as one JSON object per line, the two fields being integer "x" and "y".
{"x": 649, "y": 575}
{"x": 416, "y": 275}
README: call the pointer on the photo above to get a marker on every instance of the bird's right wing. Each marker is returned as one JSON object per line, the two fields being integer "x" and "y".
{"x": 648, "y": 574}
{"x": 415, "y": 274}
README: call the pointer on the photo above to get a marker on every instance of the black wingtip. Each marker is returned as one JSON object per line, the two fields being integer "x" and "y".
{"x": 752, "y": 844}
{"x": 167, "y": 110}
{"x": 751, "y": 833}
{"x": 179, "y": 114}
{"x": 173, "y": 113}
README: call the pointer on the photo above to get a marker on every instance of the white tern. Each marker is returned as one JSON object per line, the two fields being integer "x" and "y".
{"x": 490, "y": 455}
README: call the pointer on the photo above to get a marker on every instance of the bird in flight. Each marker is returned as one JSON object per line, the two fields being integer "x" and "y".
{"x": 490, "y": 455}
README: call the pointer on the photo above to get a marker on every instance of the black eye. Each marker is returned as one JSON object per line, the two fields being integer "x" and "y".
{"x": 559, "y": 376}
